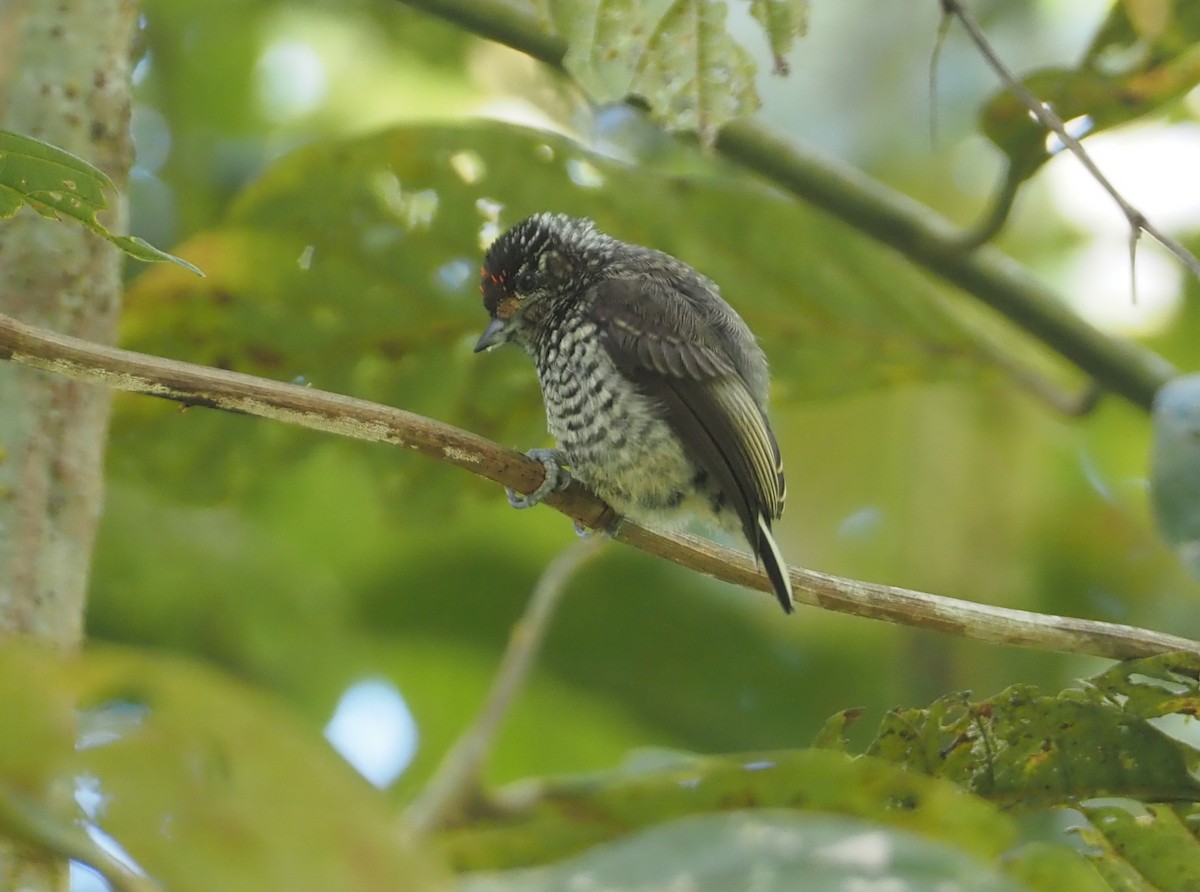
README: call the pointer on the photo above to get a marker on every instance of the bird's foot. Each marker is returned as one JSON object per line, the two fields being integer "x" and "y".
{"x": 557, "y": 477}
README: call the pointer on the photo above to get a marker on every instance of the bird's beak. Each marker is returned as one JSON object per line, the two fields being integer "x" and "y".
{"x": 492, "y": 335}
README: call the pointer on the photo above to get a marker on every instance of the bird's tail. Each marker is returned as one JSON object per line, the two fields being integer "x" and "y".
{"x": 776, "y": 569}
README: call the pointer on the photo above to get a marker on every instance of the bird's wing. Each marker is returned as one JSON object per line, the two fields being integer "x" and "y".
{"x": 730, "y": 332}
{"x": 672, "y": 355}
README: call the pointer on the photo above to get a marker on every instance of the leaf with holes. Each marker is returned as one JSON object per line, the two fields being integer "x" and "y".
{"x": 784, "y": 21}
{"x": 1027, "y": 748}
{"x": 57, "y": 184}
{"x": 677, "y": 55}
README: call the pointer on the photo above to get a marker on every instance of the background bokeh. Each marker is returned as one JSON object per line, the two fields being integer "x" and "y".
{"x": 337, "y": 168}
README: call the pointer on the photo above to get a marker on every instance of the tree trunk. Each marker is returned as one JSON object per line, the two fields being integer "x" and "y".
{"x": 64, "y": 78}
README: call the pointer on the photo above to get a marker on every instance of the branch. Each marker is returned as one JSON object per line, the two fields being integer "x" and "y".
{"x": 458, "y": 775}
{"x": 1052, "y": 122}
{"x": 195, "y": 385}
{"x": 882, "y": 213}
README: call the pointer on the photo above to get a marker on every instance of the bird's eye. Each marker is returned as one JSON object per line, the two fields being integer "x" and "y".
{"x": 527, "y": 279}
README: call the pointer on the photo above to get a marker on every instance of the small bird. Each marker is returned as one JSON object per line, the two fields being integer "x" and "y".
{"x": 655, "y": 389}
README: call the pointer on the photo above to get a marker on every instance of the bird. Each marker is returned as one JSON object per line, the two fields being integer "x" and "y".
{"x": 655, "y": 390}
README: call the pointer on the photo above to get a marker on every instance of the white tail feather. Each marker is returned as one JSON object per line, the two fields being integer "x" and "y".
{"x": 774, "y": 565}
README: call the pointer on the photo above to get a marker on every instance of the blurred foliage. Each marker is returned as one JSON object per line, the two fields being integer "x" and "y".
{"x": 205, "y": 783}
{"x": 1175, "y": 470}
{"x": 333, "y": 169}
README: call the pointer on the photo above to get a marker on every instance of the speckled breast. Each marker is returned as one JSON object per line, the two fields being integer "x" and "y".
{"x": 614, "y": 437}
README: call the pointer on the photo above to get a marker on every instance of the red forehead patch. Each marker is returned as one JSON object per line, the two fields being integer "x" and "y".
{"x": 493, "y": 286}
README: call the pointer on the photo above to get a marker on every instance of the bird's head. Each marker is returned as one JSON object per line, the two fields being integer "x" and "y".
{"x": 541, "y": 260}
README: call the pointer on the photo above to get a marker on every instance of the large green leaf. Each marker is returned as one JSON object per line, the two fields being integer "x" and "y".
{"x": 763, "y": 851}
{"x": 535, "y": 821}
{"x": 352, "y": 265}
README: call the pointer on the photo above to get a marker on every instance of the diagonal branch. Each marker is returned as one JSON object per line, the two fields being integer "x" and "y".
{"x": 460, "y": 773}
{"x": 893, "y": 219}
{"x": 196, "y": 385}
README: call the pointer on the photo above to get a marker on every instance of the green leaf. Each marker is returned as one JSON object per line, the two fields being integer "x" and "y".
{"x": 784, "y": 21}
{"x": 1023, "y": 747}
{"x": 37, "y": 745}
{"x": 1047, "y": 867}
{"x": 57, "y": 184}
{"x": 677, "y": 55}
{"x": 541, "y": 820}
{"x": 832, "y": 735}
{"x": 693, "y": 75}
{"x": 1148, "y": 847}
{"x": 204, "y": 783}
{"x": 1152, "y": 687}
{"x": 766, "y": 852}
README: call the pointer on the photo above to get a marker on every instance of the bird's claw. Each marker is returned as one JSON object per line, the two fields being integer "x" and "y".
{"x": 557, "y": 477}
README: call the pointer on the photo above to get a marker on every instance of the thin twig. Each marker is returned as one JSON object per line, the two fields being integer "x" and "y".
{"x": 1052, "y": 122}
{"x": 996, "y": 215}
{"x": 197, "y": 385}
{"x": 1072, "y": 403}
{"x": 22, "y": 818}
{"x": 938, "y": 42}
{"x": 457, "y": 778}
